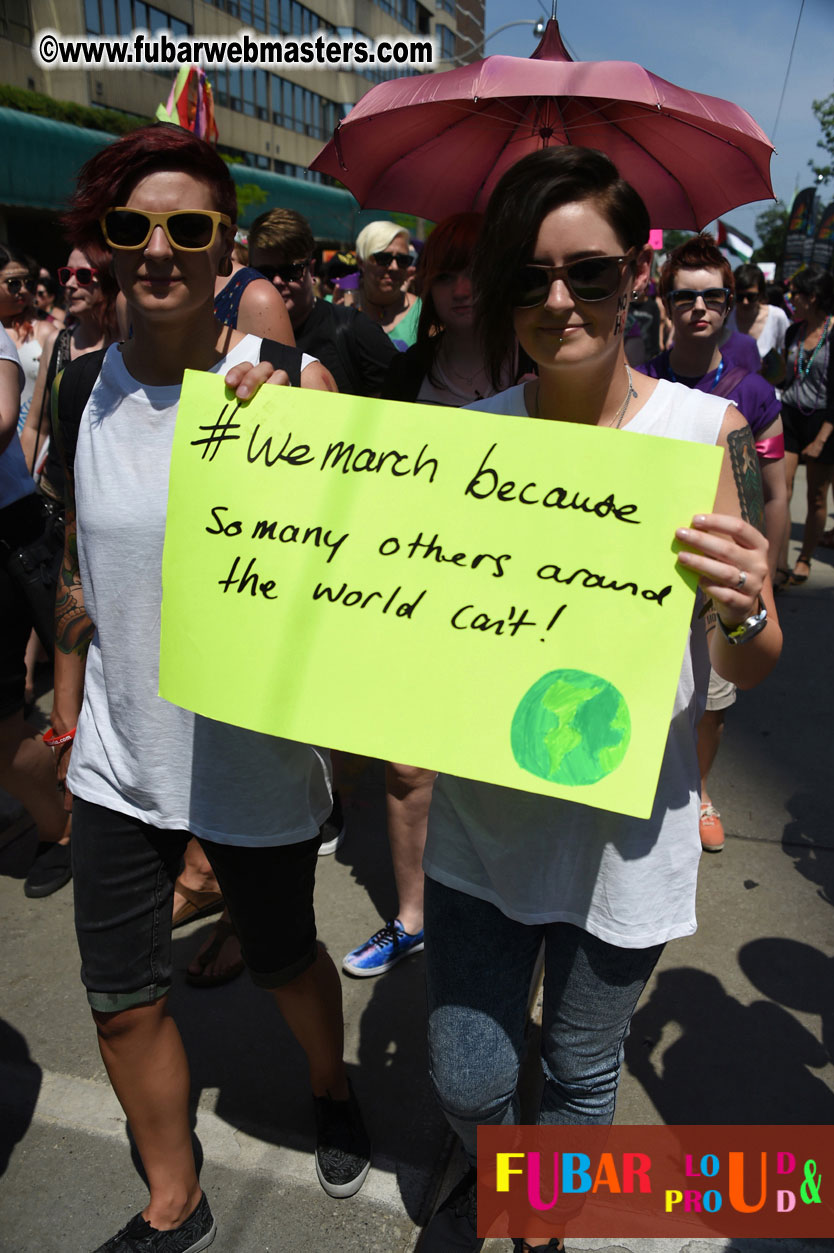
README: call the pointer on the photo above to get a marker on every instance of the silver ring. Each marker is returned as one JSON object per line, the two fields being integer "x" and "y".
{"x": 742, "y": 578}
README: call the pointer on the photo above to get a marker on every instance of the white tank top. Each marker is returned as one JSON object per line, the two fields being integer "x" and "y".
{"x": 629, "y": 881}
{"x": 134, "y": 752}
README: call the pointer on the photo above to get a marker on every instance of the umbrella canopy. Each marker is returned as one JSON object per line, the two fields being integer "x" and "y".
{"x": 436, "y": 144}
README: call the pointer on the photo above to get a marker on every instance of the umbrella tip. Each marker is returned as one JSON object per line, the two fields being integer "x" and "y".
{"x": 550, "y": 47}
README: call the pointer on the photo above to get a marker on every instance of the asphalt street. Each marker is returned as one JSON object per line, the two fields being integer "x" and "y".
{"x": 737, "y": 1025}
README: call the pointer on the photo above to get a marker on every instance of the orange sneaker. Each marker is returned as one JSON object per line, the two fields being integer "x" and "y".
{"x": 711, "y": 829}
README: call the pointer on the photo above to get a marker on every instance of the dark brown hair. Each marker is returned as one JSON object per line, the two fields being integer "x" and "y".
{"x": 522, "y": 199}
{"x": 285, "y": 231}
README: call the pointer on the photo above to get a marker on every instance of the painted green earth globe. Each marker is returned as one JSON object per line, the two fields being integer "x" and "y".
{"x": 571, "y": 727}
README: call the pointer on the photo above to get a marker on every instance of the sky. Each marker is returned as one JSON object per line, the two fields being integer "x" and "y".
{"x": 736, "y": 49}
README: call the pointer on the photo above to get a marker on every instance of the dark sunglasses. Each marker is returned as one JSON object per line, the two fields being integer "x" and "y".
{"x": 685, "y": 298}
{"x": 402, "y": 260}
{"x": 291, "y": 272}
{"x": 190, "y": 230}
{"x": 14, "y": 285}
{"x": 747, "y": 297}
{"x": 592, "y": 278}
{"x": 85, "y": 275}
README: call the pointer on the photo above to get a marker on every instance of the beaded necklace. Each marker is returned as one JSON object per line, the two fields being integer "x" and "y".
{"x": 802, "y": 368}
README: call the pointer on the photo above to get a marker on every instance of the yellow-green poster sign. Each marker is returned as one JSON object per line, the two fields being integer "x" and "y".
{"x": 483, "y": 595}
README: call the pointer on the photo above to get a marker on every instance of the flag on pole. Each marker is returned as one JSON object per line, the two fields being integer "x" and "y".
{"x": 800, "y": 237}
{"x": 822, "y": 253}
{"x": 191, "y": 104}
{"x": 736, "y": 243}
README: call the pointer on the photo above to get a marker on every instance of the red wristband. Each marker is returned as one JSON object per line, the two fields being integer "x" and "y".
{"x": 57, "y": 741}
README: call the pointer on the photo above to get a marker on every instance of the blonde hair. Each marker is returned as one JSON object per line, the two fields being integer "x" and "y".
{"x": 376, "y": 236}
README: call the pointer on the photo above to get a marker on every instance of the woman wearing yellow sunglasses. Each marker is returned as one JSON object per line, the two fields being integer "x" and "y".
{"x": 147, "y": 776}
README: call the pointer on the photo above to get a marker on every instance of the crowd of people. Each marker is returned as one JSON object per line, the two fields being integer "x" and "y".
{"x": 160, "y": 816}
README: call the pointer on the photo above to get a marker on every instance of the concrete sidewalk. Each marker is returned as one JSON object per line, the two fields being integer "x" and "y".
{"x": 737, "y": 1025}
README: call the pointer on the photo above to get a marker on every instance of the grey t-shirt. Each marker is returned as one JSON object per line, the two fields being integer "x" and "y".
{"x": 135, "y": 752}
{"x": 807, "y": 390}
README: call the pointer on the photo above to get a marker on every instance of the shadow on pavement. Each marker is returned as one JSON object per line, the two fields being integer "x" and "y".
{"x": 806, "y": 840}
{"x": 795, "y": 974}
{"x": 19, "y": 1096}
{"x": 703, "y": 1057}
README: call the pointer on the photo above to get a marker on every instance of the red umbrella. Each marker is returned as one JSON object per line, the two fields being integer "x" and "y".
{"x": 436, "y": 144}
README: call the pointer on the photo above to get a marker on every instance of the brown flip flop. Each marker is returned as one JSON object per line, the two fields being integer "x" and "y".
{"x": 222, "y": 931}
{"x": 197, "y": 905}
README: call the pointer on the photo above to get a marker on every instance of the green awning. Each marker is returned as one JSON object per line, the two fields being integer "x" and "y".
{"x": 40, "y": 160}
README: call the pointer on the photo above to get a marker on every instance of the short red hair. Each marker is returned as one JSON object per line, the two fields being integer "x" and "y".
{"x": 698, "y": 253}
{"x": 109, "y": 177}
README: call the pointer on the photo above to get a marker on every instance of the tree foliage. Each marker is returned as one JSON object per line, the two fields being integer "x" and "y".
{"x": 824, "y": 113}
{"x": 674, "y": 239}
{"x": 772, "y": 230}
{"x": 109, "y": 120}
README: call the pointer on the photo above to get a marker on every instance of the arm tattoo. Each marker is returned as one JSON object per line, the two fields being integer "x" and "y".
{"x": 73, "y": 627}
{"x": 747, "y": 475}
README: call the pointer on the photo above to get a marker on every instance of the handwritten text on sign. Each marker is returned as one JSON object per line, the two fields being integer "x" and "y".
{"x": 489, "y": 596}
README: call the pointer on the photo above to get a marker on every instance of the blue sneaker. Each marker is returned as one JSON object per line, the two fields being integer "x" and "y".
{"x": 382, "y": 951}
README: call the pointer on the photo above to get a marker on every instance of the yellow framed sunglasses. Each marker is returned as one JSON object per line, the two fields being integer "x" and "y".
{"x": 189, "y": 230}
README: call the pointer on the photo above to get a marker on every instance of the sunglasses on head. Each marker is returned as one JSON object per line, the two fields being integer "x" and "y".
{"x": 189, "y": 230}
{"x": 84, "y": 275}
{"x": 590, "y": 279}
{"x": 747, "y": 297}
{"x": 684, "y": 297}
{"x": 290, "y": 272}
{"x": 14, "y": 285}
{"x": 402, "y": 260}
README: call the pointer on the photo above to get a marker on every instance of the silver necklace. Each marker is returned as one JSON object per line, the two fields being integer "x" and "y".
{"x": 624, "y": 406}
{"x": 623, "y": 410}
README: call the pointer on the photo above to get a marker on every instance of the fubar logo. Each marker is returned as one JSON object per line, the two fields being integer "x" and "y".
{"x": 639, "y": 1181}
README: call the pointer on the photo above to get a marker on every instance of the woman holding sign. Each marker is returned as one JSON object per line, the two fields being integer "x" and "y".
{"x": 562, "y": 251}
{"x": 147, "y": 775}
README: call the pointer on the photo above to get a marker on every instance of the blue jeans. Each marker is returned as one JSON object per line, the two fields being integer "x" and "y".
{"x": 479, "y": 965}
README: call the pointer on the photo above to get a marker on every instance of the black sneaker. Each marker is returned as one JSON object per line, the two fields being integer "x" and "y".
{"x": 454, "y": 1228}
{"x": 197, "y": 1232}
{"x": 50, "y": 870}
{"x": 343, "y": 1147}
